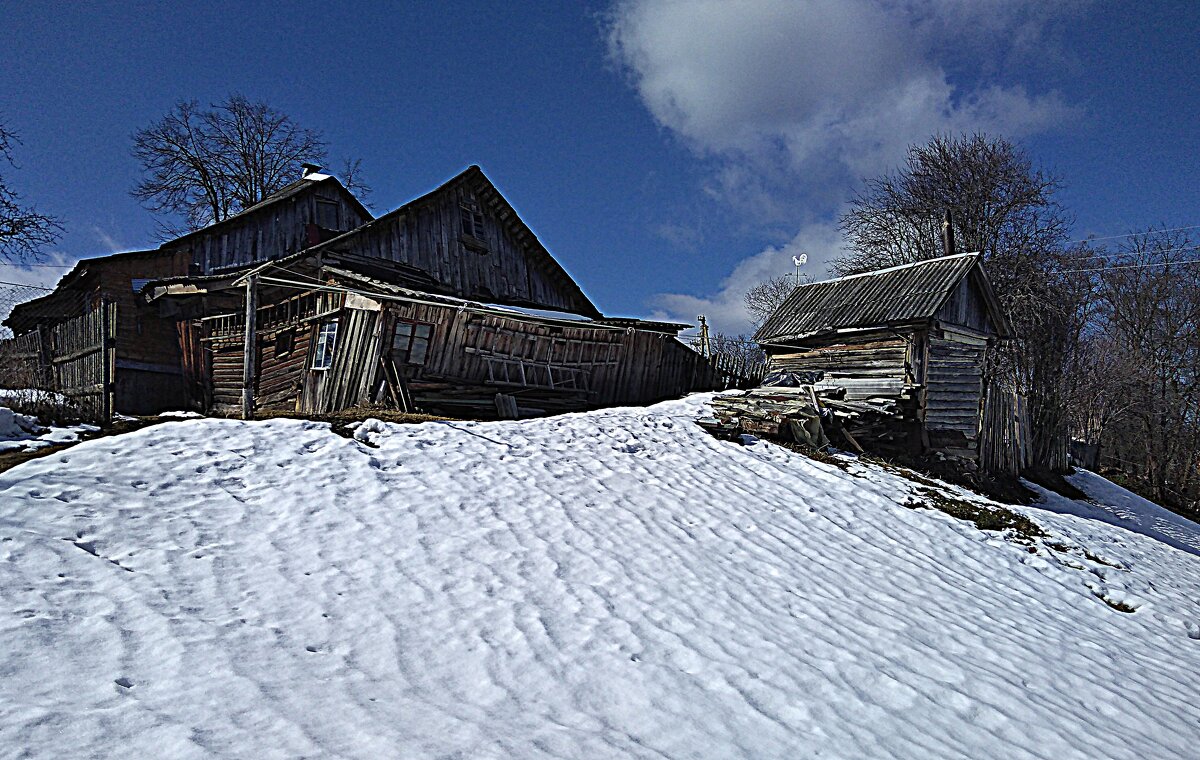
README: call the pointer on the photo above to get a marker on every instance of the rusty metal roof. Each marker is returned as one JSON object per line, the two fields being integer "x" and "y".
{"x": 900, "y": 294}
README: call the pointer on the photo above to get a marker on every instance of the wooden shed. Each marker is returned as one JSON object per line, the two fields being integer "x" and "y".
{"x": 917, "y": 335}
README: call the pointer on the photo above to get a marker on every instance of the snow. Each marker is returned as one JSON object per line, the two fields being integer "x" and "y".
{"x": 610, "y": 584}
{"x": 22, "y": 431}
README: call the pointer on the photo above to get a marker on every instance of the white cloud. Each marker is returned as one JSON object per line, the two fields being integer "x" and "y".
{"x": 24, "y": 283}
{"x": 811, "y": 82}
{"x": 110, "y": 243}
{"x": 725, "y": 309}
{"x": 792, "y": 102}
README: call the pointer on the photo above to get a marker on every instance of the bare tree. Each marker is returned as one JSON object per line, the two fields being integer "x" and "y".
{"x": 1151, "y": 305}
{"x": 24, "y": 230}
{"x": 203, "y": 166}
{"x": 764, "y": 298}
{"x": 1004, "y": 208}
{"x": 352, "y": 180}
{"x": 1001, "y": 205}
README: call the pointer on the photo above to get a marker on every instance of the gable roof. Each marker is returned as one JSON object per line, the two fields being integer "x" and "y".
{"x": 287, "y": 191}
{"x": 503, "y": 210}
{"x": 55, "y": 305}
{"x": 896, "y": 295}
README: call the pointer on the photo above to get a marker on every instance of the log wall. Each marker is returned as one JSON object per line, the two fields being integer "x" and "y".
{"x": 872, "y": 366}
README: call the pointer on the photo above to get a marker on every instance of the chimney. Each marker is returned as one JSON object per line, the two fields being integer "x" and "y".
{"x": 948, "y": 234}
{"x": 309, "y": 169}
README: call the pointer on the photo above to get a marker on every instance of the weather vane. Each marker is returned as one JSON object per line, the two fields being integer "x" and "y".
{"x": 799, "y": 261}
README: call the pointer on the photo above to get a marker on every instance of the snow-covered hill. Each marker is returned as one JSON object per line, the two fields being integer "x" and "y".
{"x": 613, "y": 584}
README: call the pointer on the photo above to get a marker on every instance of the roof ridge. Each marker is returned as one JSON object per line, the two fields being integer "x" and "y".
{"x": 895, "y": 268}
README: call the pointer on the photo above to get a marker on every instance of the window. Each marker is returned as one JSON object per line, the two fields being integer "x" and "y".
{"x": 285, "y": 341}
{"x": 410, "y": 342}
{"x": 472, "y": 222}
{"x": 327, "y": 214}
{"x": 326, "y": 342}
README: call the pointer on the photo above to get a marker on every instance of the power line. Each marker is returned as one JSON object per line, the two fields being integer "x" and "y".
{"x": 27, "y": 266}
{"x": 1136, "y": 253}
{"x": 1134, "y": 234}
{"x": 23, "y": 285}
{"x": 1129, "y": 266}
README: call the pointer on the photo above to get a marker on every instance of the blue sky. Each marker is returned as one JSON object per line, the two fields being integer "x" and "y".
{"x": 670, "y": 154}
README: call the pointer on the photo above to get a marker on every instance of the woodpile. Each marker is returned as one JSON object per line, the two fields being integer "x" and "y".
{"x": 817, "y": 415}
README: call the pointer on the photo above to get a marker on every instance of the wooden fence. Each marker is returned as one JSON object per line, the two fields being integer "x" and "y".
{"x": 1005, "y": 436}
{"x": 738, "y": 371}
{"x": 75, "y": 358}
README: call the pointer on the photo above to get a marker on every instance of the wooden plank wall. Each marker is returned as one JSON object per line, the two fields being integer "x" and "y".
{"x": 429, "y": 237}
{"x": 348, "y": 381}
{"x": 954, "y": 392}
{"x": 966, "y": 307}
{"x": 82, "y": 355}
{"x": 618, "y": 366}
{"x": 1005, "y": 436}
{"x": 269, "y": 233}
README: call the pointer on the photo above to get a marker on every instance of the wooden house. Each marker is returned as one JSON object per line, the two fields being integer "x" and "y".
{"x": 916, "y": 335}
{"x": 147, "y": 376}
{"x": 449, "y": 304}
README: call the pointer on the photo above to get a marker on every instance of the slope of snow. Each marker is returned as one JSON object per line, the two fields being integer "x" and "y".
{"x": 611, "y": 584}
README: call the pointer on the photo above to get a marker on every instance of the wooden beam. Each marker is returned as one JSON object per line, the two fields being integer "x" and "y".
{"x": 248, "y": 348}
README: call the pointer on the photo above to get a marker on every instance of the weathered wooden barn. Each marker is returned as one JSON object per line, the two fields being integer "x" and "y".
{"x": 916, "y": 336}
{"x": 147, "y": 376}
{"x": 449, "y": 304}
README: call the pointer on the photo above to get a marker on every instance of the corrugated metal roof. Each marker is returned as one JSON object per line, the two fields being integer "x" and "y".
{"x": 899, "y": 294}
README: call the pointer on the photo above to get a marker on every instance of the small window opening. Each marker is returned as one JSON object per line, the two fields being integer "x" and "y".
{"x": 472, "y": 222}
{"x": 285, "y": 342}
{"x": 326, "y": 343}
{"x": 410, "y": 342}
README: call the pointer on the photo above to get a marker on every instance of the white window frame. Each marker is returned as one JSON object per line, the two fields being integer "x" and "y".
{"x": 325, "y": 345}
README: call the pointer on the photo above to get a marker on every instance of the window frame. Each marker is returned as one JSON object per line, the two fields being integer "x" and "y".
{"x": 405, "y": 355}
{"x": 472, "y": 231}
{"x": 324, "y": 345}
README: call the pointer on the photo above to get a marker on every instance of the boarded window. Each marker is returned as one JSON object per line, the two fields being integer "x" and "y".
{"x": 327, "y": 214}
{"x": 326, "y": 342}
{"x": 410, "y": 342}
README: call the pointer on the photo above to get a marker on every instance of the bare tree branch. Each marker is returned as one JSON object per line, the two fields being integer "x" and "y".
{"x": 24, "y": 230}
{"x": 202, "y": 166}
{"x": 764, "y": 298}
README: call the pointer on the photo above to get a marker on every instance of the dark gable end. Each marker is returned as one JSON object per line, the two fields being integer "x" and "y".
{"x": 297, "y": 216}
{"x": 894, "y": 297}
{"x": 470, "y": 243}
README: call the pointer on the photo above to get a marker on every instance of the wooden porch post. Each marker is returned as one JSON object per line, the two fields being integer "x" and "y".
{"x": 248, "y": 347}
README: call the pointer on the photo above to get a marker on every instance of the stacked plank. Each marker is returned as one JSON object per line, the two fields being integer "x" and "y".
{"x": 788, "y": 413}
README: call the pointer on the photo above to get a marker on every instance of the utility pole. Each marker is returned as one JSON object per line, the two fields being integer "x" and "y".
{"x": 705, "y": 346}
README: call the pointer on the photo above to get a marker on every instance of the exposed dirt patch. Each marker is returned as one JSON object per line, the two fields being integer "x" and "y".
{"x": 13, "y": 457}
{"x": 1017, "y": 526}
{"x": 354, "y": 414}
